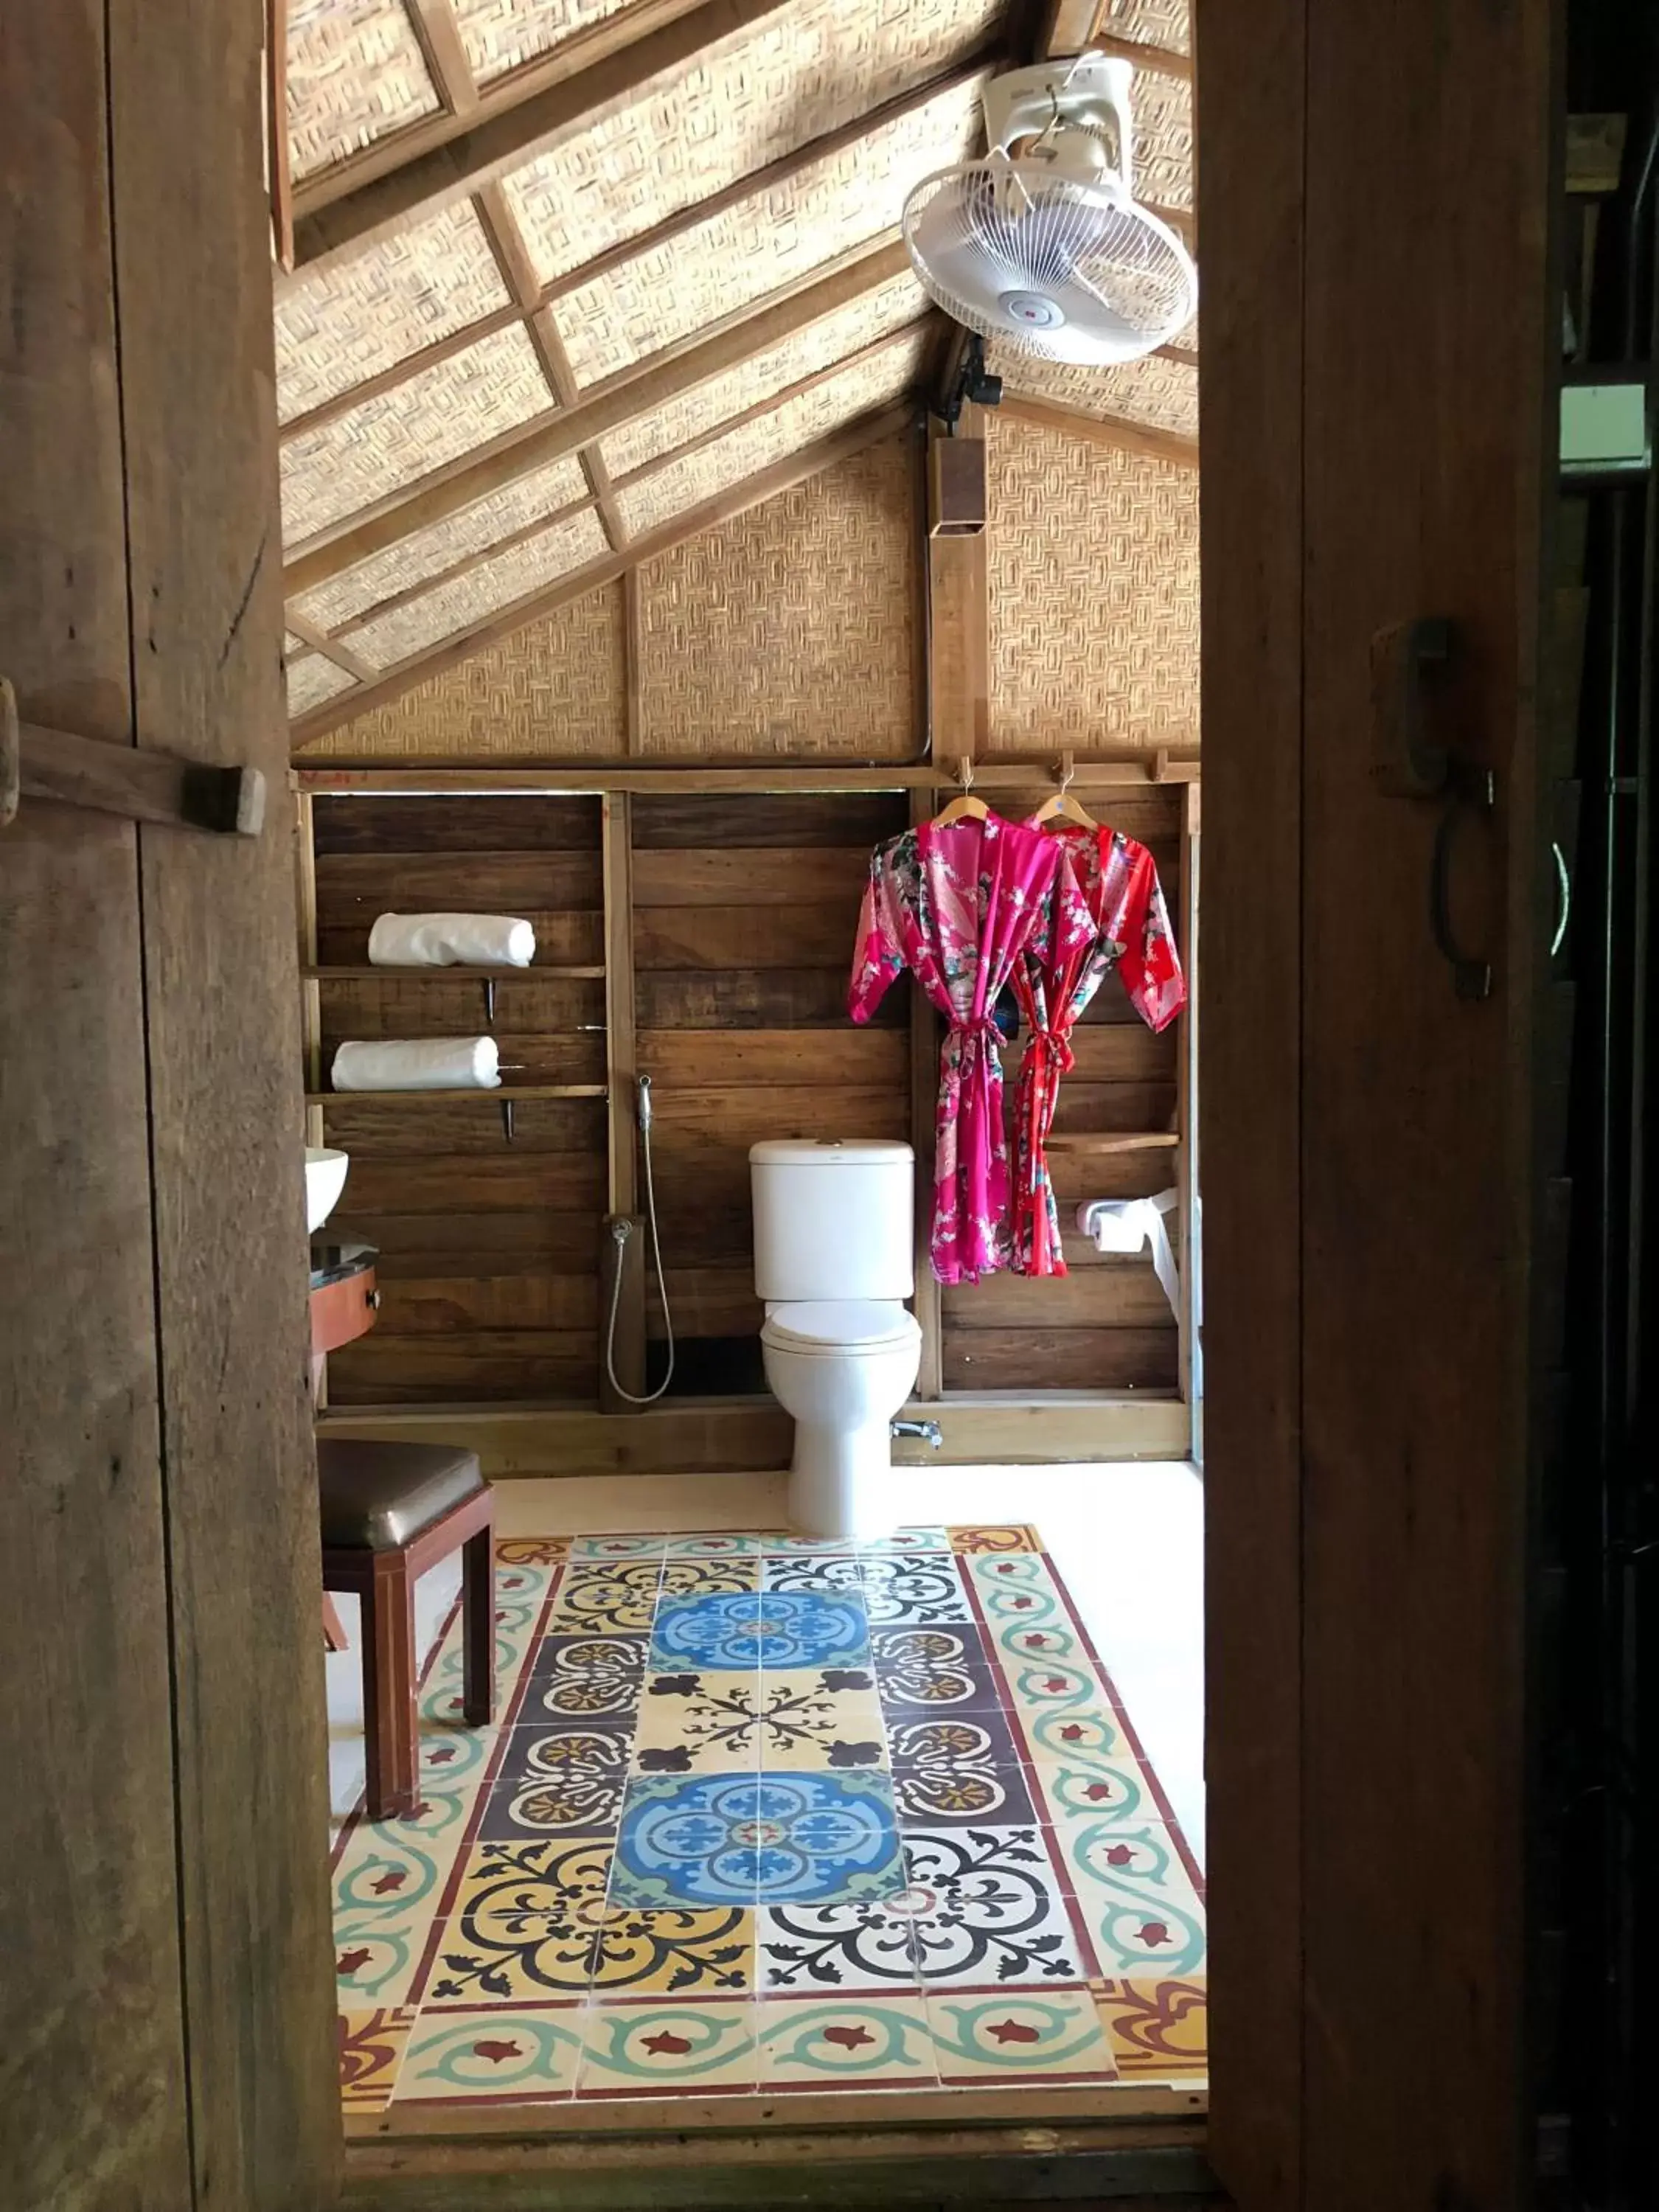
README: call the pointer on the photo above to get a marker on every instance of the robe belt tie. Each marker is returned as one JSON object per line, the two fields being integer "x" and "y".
{"x": 974, "y": 1025}
{"x": 1052, "y": 1043}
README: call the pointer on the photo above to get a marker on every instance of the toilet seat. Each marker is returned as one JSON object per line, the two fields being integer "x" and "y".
{"x": 834, "y": 1328}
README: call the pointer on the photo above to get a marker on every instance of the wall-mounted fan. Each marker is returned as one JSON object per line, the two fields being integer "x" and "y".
{"x": 1042, "y": 242}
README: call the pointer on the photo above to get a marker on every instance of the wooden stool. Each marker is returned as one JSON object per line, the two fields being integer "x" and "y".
{"x": 389, "y": 1512}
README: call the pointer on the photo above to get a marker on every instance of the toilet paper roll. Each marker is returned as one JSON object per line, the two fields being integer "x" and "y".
{"x": 445, "y": 940}
{"x": 418, "y": 1064}
{"x": 1125, "y": 1224}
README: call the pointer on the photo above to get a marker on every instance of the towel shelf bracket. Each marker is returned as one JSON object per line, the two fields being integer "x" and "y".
{"x": 68, "y": 770}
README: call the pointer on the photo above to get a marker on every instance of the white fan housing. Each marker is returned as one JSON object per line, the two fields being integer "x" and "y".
{"x": 1047, "y": 247}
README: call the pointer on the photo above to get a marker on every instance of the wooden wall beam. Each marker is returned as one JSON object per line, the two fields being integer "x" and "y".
{"x": 1130, "y": 769}
{"x": 499, "y": 139}
{"x": 824, "y": 453}
{"x": 649, "y": 384}
{"x": 1121, "y": 436}
{"x": 331, "y": 648}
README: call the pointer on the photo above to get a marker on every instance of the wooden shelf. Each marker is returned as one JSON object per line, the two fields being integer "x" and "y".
{"x": 1115, "y": 1140}
{"x": 537, "y": 971}
{"x": 498, "y": 1097}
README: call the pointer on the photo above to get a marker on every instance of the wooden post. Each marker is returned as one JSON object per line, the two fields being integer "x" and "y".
{"x": 958, "y": 625}
{"x": 311, "y": 993}
{"x": 622, "y": 1073}
{"x": 1187, "y": 1099}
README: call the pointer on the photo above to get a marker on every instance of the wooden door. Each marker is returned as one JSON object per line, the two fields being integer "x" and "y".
{"x": 165, "y": 1995}
{"x": 1376, "y": 332}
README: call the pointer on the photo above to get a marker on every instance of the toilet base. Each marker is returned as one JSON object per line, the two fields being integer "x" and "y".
{"x": 841, "y": 1482}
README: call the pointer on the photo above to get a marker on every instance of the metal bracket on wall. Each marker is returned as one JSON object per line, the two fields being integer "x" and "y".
{"x": 1406, "y": 762}
{"x": 68, "y": 770}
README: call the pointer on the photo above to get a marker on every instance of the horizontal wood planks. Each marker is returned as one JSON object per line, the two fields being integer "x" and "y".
{"x": 1106, "y": 1324}
{"x": 745, "y": 911}
{"x": 489, "y": 1248}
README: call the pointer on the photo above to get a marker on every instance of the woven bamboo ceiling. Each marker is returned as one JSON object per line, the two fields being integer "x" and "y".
{"x": 572, "y": 278}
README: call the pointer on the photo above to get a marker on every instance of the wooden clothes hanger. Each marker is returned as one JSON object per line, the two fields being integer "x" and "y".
{"x": 1060, "y": 802}
{"x": 965, "y": 808}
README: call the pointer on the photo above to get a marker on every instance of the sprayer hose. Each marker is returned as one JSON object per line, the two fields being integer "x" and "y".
{"x": 651, "y": 1397}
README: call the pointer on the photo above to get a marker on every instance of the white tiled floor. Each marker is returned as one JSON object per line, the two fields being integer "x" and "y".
{"x": 1127, "y": 1539}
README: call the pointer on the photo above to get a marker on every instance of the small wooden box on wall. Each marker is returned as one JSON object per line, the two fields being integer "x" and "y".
{"x": 956, "y": 487}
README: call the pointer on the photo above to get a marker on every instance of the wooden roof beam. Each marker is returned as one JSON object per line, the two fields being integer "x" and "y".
{"x": 647, "y": 385}
{"x": 1075, "y": 27}
{"x": 498, "y": 139}
{"x": 444, "y": 51}
{"x": 766, "y": 483}
{"x": 1121, "y": 435}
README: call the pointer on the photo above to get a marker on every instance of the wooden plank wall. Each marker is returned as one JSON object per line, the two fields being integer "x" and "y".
{"x": 489, "y": 1249}
{"x": 746, "y": 909}
{"x": 1107, "y": 1326}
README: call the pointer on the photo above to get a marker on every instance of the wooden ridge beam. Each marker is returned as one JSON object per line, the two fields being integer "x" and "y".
{"x": 503, "y": 138}
{"x": 649, "y": 384}
{"x": 1124, "y": 437}
{"x": 823, "y": 453}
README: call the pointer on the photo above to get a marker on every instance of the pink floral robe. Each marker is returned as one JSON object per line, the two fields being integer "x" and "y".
{"x": 1114, "y": 883}
{"x": 957, "y": 906}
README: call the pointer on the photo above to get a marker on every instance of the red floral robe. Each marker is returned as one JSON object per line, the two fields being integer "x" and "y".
{"x": 1054, "y": 982}
{"x": 957, "y": 906}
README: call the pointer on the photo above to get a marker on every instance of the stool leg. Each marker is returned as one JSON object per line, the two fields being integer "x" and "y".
{"x": 479, "y": 1628}
{"x": 389, "y": 1715}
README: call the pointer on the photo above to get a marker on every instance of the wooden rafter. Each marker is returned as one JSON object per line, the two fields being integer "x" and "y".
{"x": 329, "y": 648}
{"x": 439, "y": 36}
{"x": 498, "y": 139}
{"x": 764, "y": 485}
{"x": 529, "y": 297}
{"x": 1113, "y": 431}
{"x": 1076, "y": 27}
{"x": 647, "y": 385}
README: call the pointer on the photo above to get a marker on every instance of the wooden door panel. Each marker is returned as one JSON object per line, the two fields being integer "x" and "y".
{"x": 89, "y": 2005}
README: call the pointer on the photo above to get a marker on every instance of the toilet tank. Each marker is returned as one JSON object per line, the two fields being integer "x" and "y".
{"x": 834, "y": 1218}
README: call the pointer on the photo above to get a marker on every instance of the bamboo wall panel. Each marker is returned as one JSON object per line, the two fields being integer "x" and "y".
{"x": 479, "y": 592}
{"x": 685, "y": 482}
{"x": 426, "y": 553}
{"x": 354, "y": 72}
{"x": 336, "y": 325}
{"x": 1163, "y": 394}
{"x": 791, "y": 630}
{"x": 737, "y": 1054}
{"x": 747, "y": 102}
{"x": 556, "y": 689}
{"x": 311, "y": 680}
{"x": 734, "y": 258}
{"x": 489, "y": 1249}
{"x": 387, "y": 441}
{"x": 1094, "y": 578}
{"x": 1165, "y": 23}
{"x": 500, "y": 35}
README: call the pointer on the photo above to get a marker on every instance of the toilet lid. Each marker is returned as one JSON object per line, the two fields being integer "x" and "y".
{"x": 849, "y": 1325}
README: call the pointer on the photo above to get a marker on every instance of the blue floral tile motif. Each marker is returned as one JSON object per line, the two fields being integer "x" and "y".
{"x": 738, "y": 1629}
{"x": 734, "y": 1840}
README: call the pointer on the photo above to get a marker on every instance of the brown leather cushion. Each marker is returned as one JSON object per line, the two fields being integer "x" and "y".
{"x": 377, "y": 1496}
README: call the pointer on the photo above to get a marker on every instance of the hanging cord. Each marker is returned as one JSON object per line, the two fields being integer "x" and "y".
{"x": 621, "y": 1229}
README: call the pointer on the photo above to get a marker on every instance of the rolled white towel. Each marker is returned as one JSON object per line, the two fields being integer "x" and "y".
{"x": 419, "y": 1064}
{"x": 445, "y": 941}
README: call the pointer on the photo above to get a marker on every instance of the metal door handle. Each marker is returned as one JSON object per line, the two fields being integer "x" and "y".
{"x": 1563, "y": 898}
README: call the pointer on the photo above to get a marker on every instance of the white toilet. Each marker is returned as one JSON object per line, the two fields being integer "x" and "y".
{"x": 835, "y": 1245}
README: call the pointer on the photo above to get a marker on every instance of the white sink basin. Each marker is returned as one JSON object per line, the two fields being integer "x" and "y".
{"x": 325, "y": 1175}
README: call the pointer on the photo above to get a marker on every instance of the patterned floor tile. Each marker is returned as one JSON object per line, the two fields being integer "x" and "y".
{"x": 1018, "y": 2034}
{"x": 523, "y": 1923}
{"x": 917, "y": 1589}
{"x": 605, "y": 1599}
{"x": 829, "y": 1574}
{"x": 594, "y": 1677}
{"x": 387, "y": 1888}
{"x": 736, "y": 1839}
{"x": 864, "y": 2042}
{"x": 1090, "y": 1788}
{"x": 858, "y": 1945}
{"x": 780, "y": 1543}
{"x": 660, "y": 2049}
{"x": 923, "y": 1671}
{"x": 690, "y": 1578}
{"x": 505, "y": 2054}
{"x": 533, "y": 1551}
{"x": 817, "y": 1718}
{"x": 1020, "y": 1538}
{"x": 559, "y": 1778}
{"x": 716, "y": 1543}
{"x": 673, "y": 1953}
{"x": 371, "y": 2050}
{"x": 627, "y": 1546}
{"x": 1157, "y": 2029}
{"x": 1136, "y": 1897}
{"x": 929, "y": 1538}
{"x": 772, "y": 1630}
{"x": 963, "y": 1768}
{"x": 698, "y": 1721}
{"x": 989, "y": 1908}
